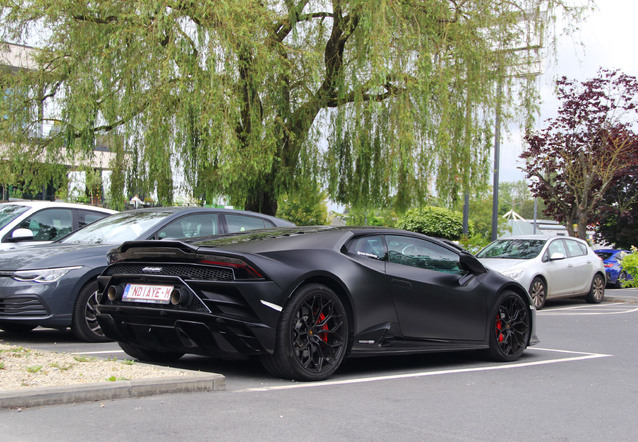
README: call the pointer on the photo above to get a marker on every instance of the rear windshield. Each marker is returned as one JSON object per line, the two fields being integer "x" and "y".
{"x": 9, "y": 212}
{"x": 605, "y": 255}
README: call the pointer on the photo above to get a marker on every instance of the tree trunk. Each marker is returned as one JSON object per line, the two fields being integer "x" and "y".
{"x": 262, "y": 199}
{"x": 582, "y": 227}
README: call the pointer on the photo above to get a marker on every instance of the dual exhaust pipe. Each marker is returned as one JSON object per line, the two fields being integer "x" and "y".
{"x": 179, "y": 296}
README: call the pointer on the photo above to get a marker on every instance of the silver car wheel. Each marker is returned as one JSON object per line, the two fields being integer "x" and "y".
{"x": 597, "y": 291}
{"x": 538, "y": 292}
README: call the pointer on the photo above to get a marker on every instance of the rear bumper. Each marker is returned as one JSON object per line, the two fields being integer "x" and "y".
{"x": 196, "y": 333}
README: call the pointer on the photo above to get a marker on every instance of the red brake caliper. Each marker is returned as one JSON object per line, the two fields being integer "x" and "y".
{"x": 323, "y": 336}
{"x": 499, "y": 327}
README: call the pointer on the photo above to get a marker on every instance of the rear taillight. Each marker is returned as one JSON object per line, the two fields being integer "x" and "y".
{"x": 242, "y": 269}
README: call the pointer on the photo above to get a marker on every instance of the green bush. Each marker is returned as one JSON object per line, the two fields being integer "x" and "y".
{"x": 304, "y": 208}
{"x": 433, "y": 221}
{"x": 630, "y": 265}
{"x": 474, "y": 243}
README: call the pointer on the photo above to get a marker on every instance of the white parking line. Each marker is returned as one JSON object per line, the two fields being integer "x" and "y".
{"x": 590, "y": 310}
{"x": 581, "y": 357}
{"x": 105, "y": 352}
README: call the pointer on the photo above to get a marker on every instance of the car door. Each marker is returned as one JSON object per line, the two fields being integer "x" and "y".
{"x": 86, "y": 217}
{"x": 579, "y": 265}
{"x": 556, "y": 266}
{"x": 48, "y": 225}
{"x": 430, "y": 300}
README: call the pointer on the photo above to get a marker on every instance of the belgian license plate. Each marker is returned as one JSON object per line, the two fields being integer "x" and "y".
{"x": 160, "y": 294}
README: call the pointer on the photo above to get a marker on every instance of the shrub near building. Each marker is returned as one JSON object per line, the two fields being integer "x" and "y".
{"x": 433, "y": 221}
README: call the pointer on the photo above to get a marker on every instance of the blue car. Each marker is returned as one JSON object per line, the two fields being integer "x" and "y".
{"x": 611, "y": 259}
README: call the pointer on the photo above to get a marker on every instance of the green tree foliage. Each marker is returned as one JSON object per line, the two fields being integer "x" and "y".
{"x": 358, "y": 216}
{"x": 240, "y": 94}
{"x": 305, "y": 207}
{"x": 630, "y": 265}
{"x": 433, "y": 221}
{"x": 480, "y": 213}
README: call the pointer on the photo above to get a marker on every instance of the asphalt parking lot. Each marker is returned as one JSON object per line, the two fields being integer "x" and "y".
{"x": 579, "y": 381}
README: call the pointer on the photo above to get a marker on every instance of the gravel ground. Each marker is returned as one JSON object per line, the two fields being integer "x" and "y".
{"x": 22, "y": 368}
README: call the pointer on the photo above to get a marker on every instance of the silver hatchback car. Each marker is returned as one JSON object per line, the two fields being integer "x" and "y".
{"x": 548, "y": 266}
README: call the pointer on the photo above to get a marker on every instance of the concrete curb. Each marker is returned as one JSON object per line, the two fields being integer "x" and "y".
{"x": 196, "y": 382}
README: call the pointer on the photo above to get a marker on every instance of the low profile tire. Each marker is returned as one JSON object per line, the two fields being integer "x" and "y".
{"x": 597, "y": 290}
{"x": 312, "y": 336}
{"x": 84, "y": 324}
{"x": 509, "y": 327}
{"x": 146, "y": 354}
{"x": 538, "y": 292}
{"x": 16, "y": 328}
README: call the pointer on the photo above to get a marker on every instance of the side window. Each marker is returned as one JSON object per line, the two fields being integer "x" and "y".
{"x": 86, "y": 217}
{"x": 574, "y": 248}
{"x": 242, "y": 223}
{"x": 423, "y": 254}
{"x": 49, "y": 224}
{"x": 191, "y": 226}
{"x": 368, "y": 247}
{"x": 557, "y": 247}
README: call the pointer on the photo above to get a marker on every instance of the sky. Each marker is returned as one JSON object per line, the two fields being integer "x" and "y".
{"x": 606, "y": 38}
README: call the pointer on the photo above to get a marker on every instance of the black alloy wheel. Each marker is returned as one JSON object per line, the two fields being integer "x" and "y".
{"x": 597, "y": 290}
{"x": 538, "y": 292}
{"x": 510, "y": 327}
{"x": 84, "y": 324}
{"x": 312, "y": 336}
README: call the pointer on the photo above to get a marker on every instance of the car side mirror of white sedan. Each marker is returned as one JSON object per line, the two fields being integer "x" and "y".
{"x": 22, "y": 235}
{"x": 556, "y": 256}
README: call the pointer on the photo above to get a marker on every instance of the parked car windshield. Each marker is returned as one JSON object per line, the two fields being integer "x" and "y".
{"x": 513, "y": 249}
{"x": 115, "y": 229}
{"x": 8, "y": 212}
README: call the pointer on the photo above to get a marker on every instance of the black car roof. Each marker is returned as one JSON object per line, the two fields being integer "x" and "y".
{"x": 311, "y": 236}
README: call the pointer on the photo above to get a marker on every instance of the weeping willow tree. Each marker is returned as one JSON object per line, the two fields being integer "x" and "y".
{"x": 385, "y": 100}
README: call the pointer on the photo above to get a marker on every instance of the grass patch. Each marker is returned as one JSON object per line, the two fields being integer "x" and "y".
{"x": 34, "y": 368}
{"x": 16, "y": 351}
{"x": 114, "y": 378}
{"x": 83, "y": 359}
{"x": 60, "y": 367}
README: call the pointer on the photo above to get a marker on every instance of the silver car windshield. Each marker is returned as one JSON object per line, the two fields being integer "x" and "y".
{"x": 115, "y": 229}
{"x": 513, "y": 249}
{"x": 9, "y": 212}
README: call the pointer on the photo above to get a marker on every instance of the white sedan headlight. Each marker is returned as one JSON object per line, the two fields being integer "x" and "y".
{"x": 514, "y": 274}
{"x": 42, "y": 275}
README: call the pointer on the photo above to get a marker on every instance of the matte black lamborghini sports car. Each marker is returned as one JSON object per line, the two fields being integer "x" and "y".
{"x": 304, "y": 298}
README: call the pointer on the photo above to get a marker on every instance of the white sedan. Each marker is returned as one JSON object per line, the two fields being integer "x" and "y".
{"x": 28, "y": 223}
{"x": 548, "y": 266}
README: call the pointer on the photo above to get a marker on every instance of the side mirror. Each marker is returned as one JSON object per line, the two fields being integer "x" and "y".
{"x": 21, "y": 235}
{"x": 472, "y": 264}
{"x": 556, "y": 256}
